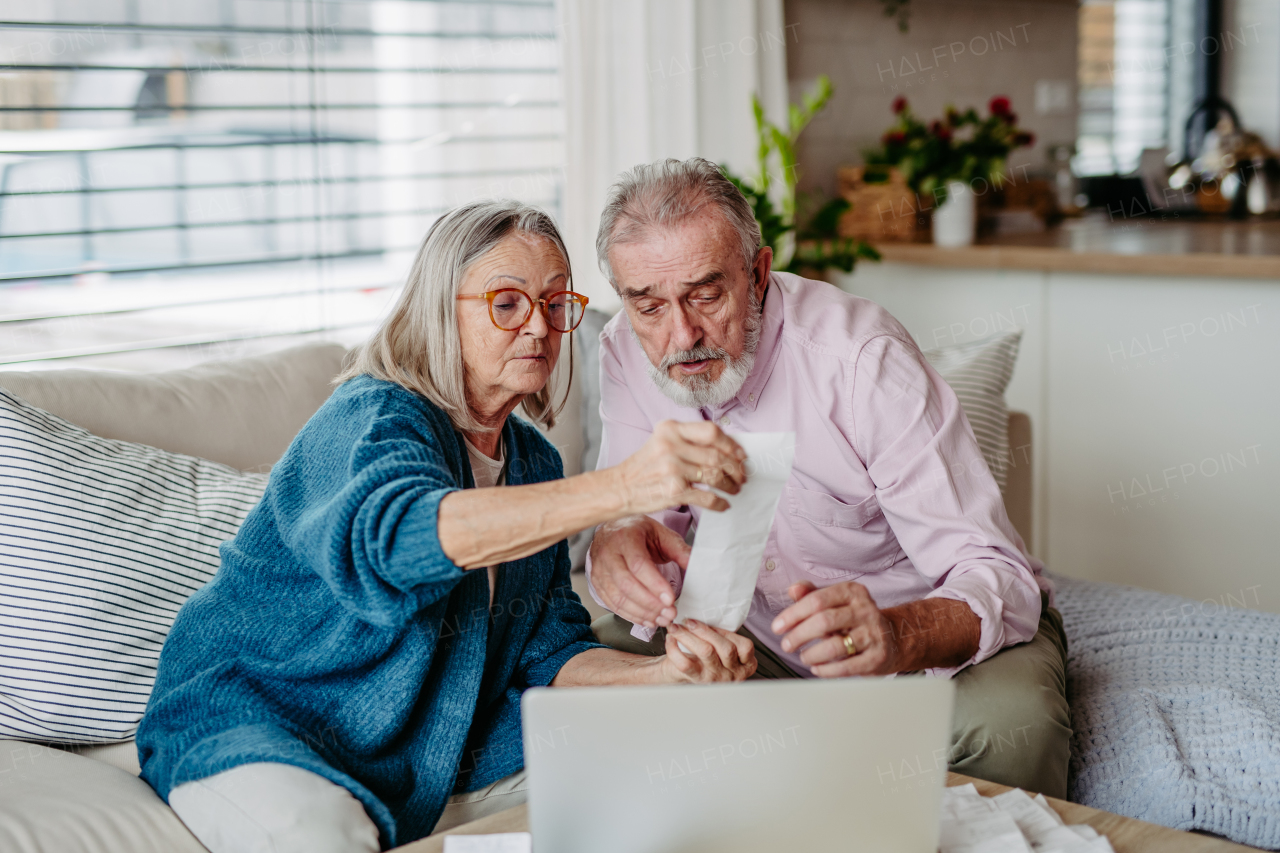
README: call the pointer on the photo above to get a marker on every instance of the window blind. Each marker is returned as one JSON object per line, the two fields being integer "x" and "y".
{"x": 183, "y": 181}
{"x": 1124, "y": 83}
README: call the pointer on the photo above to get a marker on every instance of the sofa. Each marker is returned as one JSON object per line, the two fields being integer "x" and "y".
{"x": 243, "y": 414}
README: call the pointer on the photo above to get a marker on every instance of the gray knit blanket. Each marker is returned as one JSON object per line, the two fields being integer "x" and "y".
{"x": 1176, "y": 708}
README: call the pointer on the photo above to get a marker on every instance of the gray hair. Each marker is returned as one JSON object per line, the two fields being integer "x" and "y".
{"x": 663, "y": 194}
{"x": 418, "y": 345}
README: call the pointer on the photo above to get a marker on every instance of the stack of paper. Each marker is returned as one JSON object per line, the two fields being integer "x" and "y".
{"x": 503, "y": 842}
{"x": 1012, "y": 822}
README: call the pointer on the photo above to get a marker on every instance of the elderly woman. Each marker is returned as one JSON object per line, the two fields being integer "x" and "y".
{"x": 354, "y": 670}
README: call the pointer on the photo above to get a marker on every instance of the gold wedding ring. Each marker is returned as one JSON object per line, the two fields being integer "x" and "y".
{"x": 849, "y": 648}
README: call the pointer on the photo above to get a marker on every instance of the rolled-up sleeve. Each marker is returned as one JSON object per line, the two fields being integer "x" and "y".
{"x": 937, "y": 493}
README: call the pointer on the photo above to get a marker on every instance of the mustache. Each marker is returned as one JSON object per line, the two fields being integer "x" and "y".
{"x": 698, "y": 353}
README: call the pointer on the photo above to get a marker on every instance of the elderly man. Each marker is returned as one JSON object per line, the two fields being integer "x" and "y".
{"x": 882, "y": 559}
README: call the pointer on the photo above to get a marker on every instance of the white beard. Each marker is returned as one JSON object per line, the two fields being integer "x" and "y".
{"x": 698, "y": 392}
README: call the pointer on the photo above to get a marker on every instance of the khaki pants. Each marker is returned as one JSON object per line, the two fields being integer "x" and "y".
{"x": 1011, "y": 722}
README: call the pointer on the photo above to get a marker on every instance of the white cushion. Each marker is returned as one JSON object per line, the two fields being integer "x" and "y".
{"x": 242, "y": 413}
{"x": 979, "y": 372}
{"x": 55, "y": 802}
{"x": 101, "y": 542}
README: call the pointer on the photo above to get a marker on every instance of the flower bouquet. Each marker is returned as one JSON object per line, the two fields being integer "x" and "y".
{"x": 960, "y": 147}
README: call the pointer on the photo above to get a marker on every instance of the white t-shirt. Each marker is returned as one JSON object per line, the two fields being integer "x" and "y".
{"x": 486, "y": 472}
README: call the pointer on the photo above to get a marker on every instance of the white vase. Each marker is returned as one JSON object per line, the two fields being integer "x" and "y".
{"x": 955, "y": 220}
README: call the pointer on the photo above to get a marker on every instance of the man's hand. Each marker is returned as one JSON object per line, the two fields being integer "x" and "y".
{"x": 933, "y": 632}
{"x": 625, "y": 556}
{"x": 714, "y": 655}
{"x": 828, "y": 616}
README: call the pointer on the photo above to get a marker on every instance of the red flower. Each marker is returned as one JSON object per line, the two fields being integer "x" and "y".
{"x": 999, "y": 106}
{"x": 894, "y": 137}
{"x": 939, "y": 130}
{"x": 899, "y": 104}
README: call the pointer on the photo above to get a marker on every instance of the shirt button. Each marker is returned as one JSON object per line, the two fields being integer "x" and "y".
{"x": 770, "y": 566}
{"x": 724, "y": 421}
{"x": 751, "y": 398}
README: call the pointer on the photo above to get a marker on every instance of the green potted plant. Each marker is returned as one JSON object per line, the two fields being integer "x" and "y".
{"x": 950, "y": 160}
{"x": 813, "y": 245}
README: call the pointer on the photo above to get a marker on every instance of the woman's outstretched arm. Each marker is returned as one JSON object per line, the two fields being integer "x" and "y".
{"x": 484, "y": 527}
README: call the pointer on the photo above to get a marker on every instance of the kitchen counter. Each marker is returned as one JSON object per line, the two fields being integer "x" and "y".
{"x": 1177, "y": 245}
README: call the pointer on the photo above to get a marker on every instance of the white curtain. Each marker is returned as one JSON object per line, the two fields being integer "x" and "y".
{"x": 647, "y": 79}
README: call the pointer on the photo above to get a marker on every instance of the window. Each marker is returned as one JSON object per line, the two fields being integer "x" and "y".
{"x": 182, "y": 181}
{"x": 1124, "y": 83}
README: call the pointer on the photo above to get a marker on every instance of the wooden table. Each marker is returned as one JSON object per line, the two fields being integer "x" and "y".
{"x": 1126, "y": 834}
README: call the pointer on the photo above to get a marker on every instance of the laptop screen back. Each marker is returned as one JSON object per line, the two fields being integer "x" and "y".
{"x": 849, "y": 764}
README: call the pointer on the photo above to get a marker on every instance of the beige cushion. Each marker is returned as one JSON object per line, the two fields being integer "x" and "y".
{"x": 567, "y": 435}
{"x": 56, "y": 802}
{"x": 123, "y": 754}
{"x": 242, "y": 413}
{"x": 979, "y": 372}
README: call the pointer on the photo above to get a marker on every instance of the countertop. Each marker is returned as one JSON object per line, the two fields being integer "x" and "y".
{"x": 1176, "y": 245}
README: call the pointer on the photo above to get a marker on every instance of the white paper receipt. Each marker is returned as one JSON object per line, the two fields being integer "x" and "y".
{"x": 728, "y": 547}
{"x": 506, "y": 842}
{"x": 1012, "y": 822}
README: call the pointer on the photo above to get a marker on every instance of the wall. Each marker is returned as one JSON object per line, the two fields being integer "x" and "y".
{"x": 1251, "y": 65}
{"x": 870, "y": 62}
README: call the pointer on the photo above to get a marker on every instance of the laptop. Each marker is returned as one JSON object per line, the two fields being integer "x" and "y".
{"x": 847, "y": 764}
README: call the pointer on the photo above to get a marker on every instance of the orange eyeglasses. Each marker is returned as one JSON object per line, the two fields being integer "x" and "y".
{"x": 510, "y": 308}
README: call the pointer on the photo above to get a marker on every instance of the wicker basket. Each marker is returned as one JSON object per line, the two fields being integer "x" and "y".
{"x": 882, "y": 212}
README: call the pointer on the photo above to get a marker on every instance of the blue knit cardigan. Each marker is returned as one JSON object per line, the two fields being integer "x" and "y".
{"x": 337, "y": 637}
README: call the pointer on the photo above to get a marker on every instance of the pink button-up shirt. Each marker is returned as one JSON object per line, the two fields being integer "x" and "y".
{"x": 889, "y": 487}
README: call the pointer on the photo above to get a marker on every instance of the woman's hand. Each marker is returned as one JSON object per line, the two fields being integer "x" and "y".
{"x": 662, "y": 473}
{"x": 483, "y": 527}
{"x": 714, "y": 655}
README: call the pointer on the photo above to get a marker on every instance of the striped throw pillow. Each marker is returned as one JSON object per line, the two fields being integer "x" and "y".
{"x": 979, "y": 372}
{"x": 101, "y": 541}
